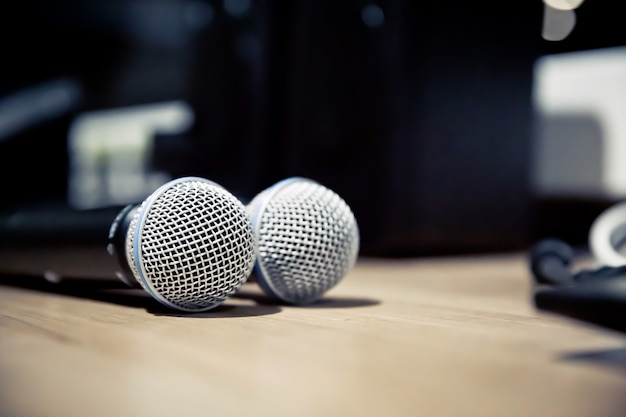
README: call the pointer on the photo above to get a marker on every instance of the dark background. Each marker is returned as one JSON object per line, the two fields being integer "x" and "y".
{"x": 422, "y": 122}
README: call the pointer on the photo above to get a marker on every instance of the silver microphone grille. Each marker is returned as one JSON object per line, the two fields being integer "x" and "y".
{"x": 191, "y": 244}
{"x": 307, "y": 236}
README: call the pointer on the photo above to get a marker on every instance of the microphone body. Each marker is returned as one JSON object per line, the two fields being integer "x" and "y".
{"x": 62, "y": 242}
{"x": 190, "y": 244}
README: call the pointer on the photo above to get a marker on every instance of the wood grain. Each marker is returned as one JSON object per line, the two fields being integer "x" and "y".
{"x": 427, "y": 337}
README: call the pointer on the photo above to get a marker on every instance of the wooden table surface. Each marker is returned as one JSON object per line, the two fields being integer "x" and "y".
{"x": 425, "y": 337}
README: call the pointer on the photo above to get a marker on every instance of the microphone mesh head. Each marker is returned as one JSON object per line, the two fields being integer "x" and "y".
{"x": 191, "y": 244}
{"x": 308, "y": 239}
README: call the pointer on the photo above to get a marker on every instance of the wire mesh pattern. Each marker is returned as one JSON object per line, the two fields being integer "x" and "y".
{"x": 191, "y": 244}
{"x": 308, "y": 239}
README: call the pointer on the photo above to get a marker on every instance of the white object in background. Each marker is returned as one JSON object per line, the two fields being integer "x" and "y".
{"x": 587, "y": 85}
{"x": 607, "y": 234}
{"x": 109, "y": 152}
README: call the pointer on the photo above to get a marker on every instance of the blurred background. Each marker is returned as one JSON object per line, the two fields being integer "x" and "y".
{"x": 448, "y": 127}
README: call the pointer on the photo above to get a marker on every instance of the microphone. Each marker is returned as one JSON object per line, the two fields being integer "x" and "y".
{"x": 308, "y": 239}
{"x": 190, "y": 244}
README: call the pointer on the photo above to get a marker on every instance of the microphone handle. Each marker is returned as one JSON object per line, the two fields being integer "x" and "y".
{"x": 63, "y": 242}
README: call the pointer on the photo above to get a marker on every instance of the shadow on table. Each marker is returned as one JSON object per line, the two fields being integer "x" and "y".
{"x": 222, "y": 311}
{"x": 118, "y": 293}
{"x": 326, "y": 302}
{"x": 613, "y": 359}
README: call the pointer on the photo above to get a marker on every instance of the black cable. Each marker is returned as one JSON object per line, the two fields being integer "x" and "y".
{"x": 596, "y": 296}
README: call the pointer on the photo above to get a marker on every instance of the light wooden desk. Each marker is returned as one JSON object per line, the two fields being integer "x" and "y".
{"x": 432, "y": 337}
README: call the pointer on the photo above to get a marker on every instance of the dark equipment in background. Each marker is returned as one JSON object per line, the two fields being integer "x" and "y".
{"x": 419, "y": 141}
{"x": 595, "y": 296}
{"x": 418, "y": 114}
